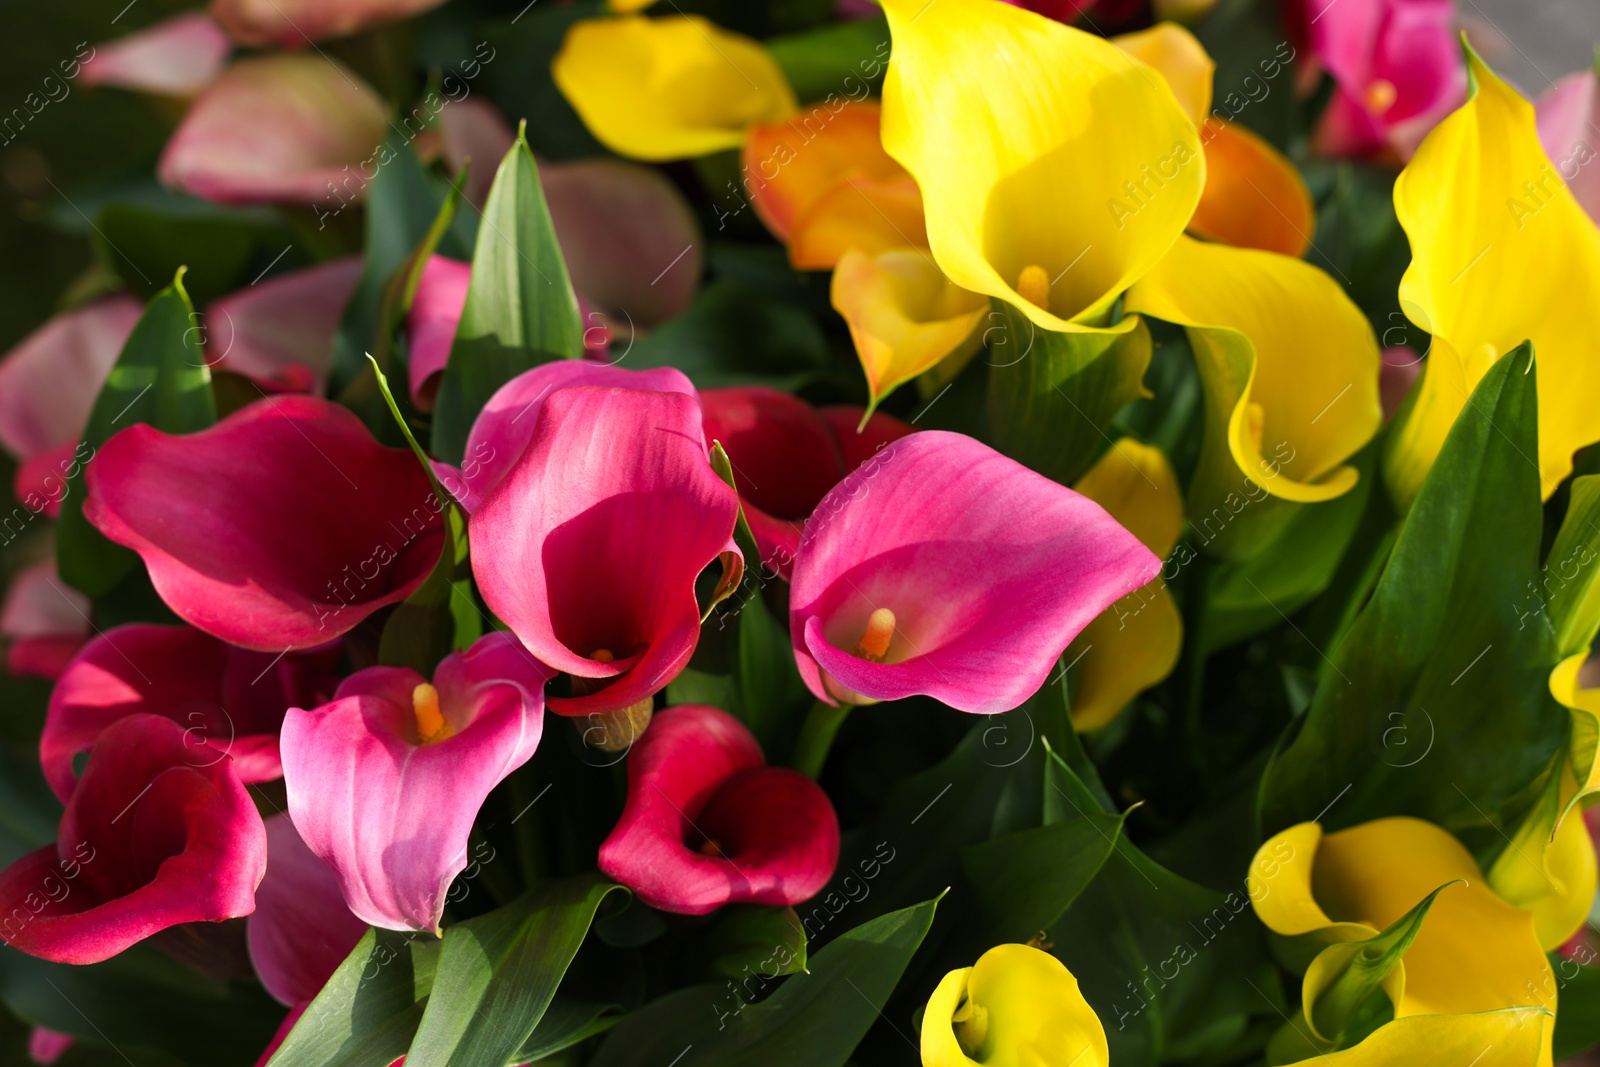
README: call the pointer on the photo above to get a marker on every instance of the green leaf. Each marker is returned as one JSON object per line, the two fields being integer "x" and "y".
{"x": 143, "y": 998}
{"x": 1570, "y": 578}
{"x": 1578, "y": 1021}
{"x": 1052, "y": 395}
{"x": 772, "y": 696}
{"x": 838, "y": 60}
{"x": 813, "y": 1020}
{"x": 520, "y": 310}
{"x": 733, "y": 335}
{"x": 498, "y": 973}
{"x": 161, "y": 378}
{"x": 747, "y": 939}
{"x": 566, "y": 1022}
{"x": 1027, "y": 879}
{"x": 369, "y": 1009}
{"x": 1438, "y": 658}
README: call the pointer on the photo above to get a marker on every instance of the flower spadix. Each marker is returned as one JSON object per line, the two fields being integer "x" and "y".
{"x": 1018, "y": 1006}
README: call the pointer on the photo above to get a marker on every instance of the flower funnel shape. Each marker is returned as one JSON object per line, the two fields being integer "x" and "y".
{"x": 1018, "y": 1005}
{"x": 225, "y": 698}
{"x": 384, "y": 782}
{"x": 708, "y": 823}
{"x": 159, "y": 832}
{"x": 281, "y": 527}
{"x": 280, "y": 331}
{"x": 590, "y": 547}
{"x": 301, "y": 929}
{"x": 946, "y": 569}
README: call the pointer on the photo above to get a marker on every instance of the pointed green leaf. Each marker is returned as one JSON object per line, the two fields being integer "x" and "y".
{"x": 369, "y": 1009}
{"x": 1570, "y": 581}
{"x": 1027, "y": 879}
{"x": 749, "y": 938}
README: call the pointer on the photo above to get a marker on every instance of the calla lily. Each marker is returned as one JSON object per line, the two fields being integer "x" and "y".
{"x": 296, "y": 23}
{"x": 45, "y": 1047}
{"x": 385, "y": 782}
{"x": 158, "y": 832}
{"x": 228, "y": 698}
{"x": 211, "y": 513}
{"x": 1012, "y": 210}
{"x": 1513, "y": 1037}
{"x": 786, "y": 455}
{"x": 1550, "y": 868}
{"x": 473, "y": 131}
{"x": 1474, "y": 951}
{"x": 1289, "y": 367}
{"x": 44, "y": 622}
{"x": 301, "y": 929}
{"x": 1400, "y": 371}
{"x": 431, "y": 324}
{"x": 708, "y": 823}
{"x": 589, "y": 548}
{"x": 48, "y": 385}
{"x": 1500, "y": 250}
{"x": 176, "y": 57}
{"x": 822, "y": 183}
{"x": 280, "y": 331}
{"x": 1135, "y": 643}
{"x": 668, "y": 88}
{"x": 905, "y": 316}
{"x": 296, "y": 128}
{"x": 1017, "y": 1005}
{"x": 1567, "y": 116}
{"x": 965, "y": 589}
{"x": 502, "y": 430}
{"x": 1398, "y": 73}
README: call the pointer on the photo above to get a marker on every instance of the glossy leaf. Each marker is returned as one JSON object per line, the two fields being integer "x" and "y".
{"x": 750, "y": 938}
{"x": 843, "y": 59}
{"x": 1027, "y": 879}
{"x": 1571, "y": 581}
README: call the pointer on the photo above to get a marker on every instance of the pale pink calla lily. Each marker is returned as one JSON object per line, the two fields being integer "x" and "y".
{"x": 45, "y": 1047}
{"x": 297, "y": 23}
{"x": 159, "y": 832}
{"x": 708, "y": 823}
{"x": 44, "y": 622}
{"x": 176, "y": 57}
{"x": 473, "y": 131}
{"x": 279, "y": 128}
{"x": 280, "y": 331}
{"x": 943, "y": 568}
{"x": 229, "y": 699}
{"x": 384, "y": 782}
{"x": 590, "y": 546}
{"x": 48, "y": 385}
{"x": 1398, "y": 67}
{"x": 502, "y": 430}
{"x": 301, "y": 929}
{"x": 1569, "y": 115}
{"x": 281, "y": 527}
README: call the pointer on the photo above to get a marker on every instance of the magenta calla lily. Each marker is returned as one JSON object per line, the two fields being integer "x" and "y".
{"x": 1399, "y": 70}
{"x": 1568, "y": 115}
{"x": 297, "y": 23}
{"x": 229, "y": 699}
{"x": 44, "y": 622}
{"x": 158, "y": 832}
{"x": 590, "y": 546}
{"x": 280, "y": 331}
{"x": 176, "y": 57}
{"x": 708, "y": 823}
{"x": 385, "y": 781}
{"x": 301, "y": 929}
{"x": 45, "y": 1047}
{"x": 943, "y": 568}
{"x": 213, "y": 515}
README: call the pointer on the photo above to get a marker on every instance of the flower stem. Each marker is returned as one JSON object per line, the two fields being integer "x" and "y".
{"x": 816, "y": 737}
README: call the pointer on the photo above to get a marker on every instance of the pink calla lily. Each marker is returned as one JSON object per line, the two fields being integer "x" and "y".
{"x": 1569, "y": 113}
{"x": 301, "y": 929}
{"x": 384, "y": 782}
{"x": 44, "y": 622}
{"x": 297, "y": 23}
{"x": 858, "y": 443}
{"x": 943, "y": 568}
{"x": 590, "y": 546}
{"x": 158, "y": 832}
{"x": 227, "y": 698}
{"x": 474, "y": 132}
{"x": 281, "y": 527}
{"x": 707, "y": 823}
{"x": 45, "y": 1047}
{"x": 279, "y": 128}
{"x": 176, "y": 57}
{"x": 280, "y": 331}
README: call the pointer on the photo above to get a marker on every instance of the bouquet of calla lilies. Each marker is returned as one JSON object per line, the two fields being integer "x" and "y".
{"x": 1032, "y": 533}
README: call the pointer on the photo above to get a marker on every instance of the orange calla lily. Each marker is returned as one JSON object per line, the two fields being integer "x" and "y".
{"x": 1254, "y": 197}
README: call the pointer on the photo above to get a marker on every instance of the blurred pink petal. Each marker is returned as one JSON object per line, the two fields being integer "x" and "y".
{"x": 474, "y": 131}
{"x": 280, "y": 331}
{"x": 1400, "y": 368}
{"x": 431, "y": 324}
{"x": 176, "y": 57}
{"x": 47, "y": 1046}
{"x": 44, "y": 621}
{"x": 296, "y": 23}
{"x": 279, "y": 128}
{"x": 1569, "y": 114}
{"x": 301, "y": 929}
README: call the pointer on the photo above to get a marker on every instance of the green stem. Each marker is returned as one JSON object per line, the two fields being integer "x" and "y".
{"x": 816, "y": 737}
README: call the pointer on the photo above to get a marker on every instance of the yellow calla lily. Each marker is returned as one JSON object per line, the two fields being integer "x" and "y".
{"x": 905, "y": 316}
{"x": 1513, "y": 1037}
{"x": 1549, "y": 867}
{"x": 1567, "y": 686}
{"x": 1018, "y": 1006}
{"x": 1289, "y": 366}
{"x": 1501, "y": 253}
{"x": 1180, "y": 58}
{"x": 668, "y": 88}
{"x": 1474, "y": 953}
{"x": 1039, "y": 187}
{"x": 1133, "y": 644}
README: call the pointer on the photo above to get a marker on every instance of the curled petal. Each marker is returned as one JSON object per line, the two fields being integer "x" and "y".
{"x": 1018, "y": 1004}
{"x": 301, "y": 930}
{"x": 431, "y": 324}
{"x": 213, "y": 513}
{"x": 176, "y": 57}
{"x": 1254, "y": 197}
{"x": 281, "y": 330}
{"x": 1182, "y": 61}
{"x": 48, "y": 382}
